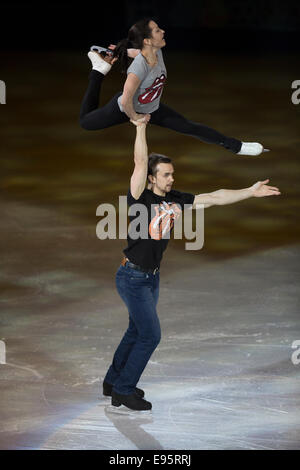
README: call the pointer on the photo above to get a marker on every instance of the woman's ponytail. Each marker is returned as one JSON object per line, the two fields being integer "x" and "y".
{"x": 121, "y": 52}
{"x": 136, "y": 35}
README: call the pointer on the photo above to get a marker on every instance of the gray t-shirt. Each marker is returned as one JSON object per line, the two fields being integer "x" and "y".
{"x": 147, "y": 97}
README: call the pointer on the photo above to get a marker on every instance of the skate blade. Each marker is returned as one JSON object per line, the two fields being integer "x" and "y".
{"x": 101, "y": 49}
{"x": 123, "y": 410}
{"x": 266, "y": 150}
{"x": 104, "y": 401}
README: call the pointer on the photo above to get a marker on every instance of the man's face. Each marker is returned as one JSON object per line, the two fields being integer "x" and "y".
{"x": 163, "y": 179}
{"x": 157, "y": 39}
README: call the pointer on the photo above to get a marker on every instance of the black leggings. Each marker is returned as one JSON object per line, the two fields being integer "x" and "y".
{"x": 94, "y": 118}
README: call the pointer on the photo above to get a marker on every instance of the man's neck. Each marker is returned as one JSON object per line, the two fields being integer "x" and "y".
{"x": 156, "y": 191}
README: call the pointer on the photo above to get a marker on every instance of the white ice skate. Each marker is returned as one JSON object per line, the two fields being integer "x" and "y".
{"x": 251, "y": 148}
{"x": 98, "y": 63}
{"x": 102, "y": 49}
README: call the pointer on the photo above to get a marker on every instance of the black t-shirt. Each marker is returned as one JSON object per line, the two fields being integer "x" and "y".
{"x": 154, "y": 227}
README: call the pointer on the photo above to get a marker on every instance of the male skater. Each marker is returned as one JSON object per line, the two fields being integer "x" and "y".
{"x": 137, "y": 278}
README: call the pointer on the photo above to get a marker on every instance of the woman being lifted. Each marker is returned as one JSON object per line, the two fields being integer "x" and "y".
{"x": 140, "y": 98}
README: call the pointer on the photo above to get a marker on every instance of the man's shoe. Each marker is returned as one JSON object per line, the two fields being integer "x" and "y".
{"x": 133, "y": 401}
{"x": 98, "y": 63}
{"x": 251, "y": 148}
{"x": 107, "y": 389}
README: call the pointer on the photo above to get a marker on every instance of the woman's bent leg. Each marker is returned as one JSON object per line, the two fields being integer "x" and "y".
{"x": 167, "y": 117}
{"x": 94, "y": 118}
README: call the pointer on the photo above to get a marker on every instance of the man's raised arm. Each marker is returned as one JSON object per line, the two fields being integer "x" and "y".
{"x": 229, "y": 196}
{"x": 139, "y": 175}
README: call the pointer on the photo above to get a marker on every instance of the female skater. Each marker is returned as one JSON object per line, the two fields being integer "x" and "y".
{"x": 142, "y": 91}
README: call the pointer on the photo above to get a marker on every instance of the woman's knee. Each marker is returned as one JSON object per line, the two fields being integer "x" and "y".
{"x": 84, "y": 123}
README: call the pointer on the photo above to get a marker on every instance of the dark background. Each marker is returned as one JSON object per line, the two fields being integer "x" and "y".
{"x": 248, "y": 25}
{"x": 240, "y": 59}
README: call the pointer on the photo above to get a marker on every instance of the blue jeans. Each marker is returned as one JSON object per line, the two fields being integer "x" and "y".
{"x": 140, "y": 292}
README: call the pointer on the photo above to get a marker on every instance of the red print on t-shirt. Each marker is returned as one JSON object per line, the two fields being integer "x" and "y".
{"x": 153, "y": 91}
{"x": 163, "y": 221}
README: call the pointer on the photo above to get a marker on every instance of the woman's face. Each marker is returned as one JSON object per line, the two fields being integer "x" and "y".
{"x": 157, "y": 35}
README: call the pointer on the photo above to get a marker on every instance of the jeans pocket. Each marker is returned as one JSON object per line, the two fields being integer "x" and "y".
{"x": 136, "y": 275}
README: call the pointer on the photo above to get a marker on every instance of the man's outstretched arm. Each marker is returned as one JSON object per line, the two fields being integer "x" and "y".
{"x": 229, "y": 196}
{"x": 139, "y": 175}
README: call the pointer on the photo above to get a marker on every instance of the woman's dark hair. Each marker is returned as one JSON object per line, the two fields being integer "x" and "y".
{"x": 154, "y": 160}
{"x": 136, "y": 35}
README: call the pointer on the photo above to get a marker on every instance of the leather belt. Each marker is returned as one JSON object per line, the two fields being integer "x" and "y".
{"x": 125, "y": 262}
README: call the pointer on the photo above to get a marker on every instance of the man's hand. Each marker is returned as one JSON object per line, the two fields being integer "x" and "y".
{"x": 260, "y": 189}
{"x": 143, "y": 118}
{"x": 138, "y": 123}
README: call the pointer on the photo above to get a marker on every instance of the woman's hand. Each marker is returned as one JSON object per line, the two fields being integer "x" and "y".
{"x": 112, "y": 47}
{"x": 132, "y": 53}
{"x": 108, "y": 57}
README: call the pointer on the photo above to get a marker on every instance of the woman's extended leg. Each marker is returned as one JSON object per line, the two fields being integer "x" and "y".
{"x": 167, "y": 117}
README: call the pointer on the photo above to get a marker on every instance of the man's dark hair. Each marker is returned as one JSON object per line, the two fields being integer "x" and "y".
{"x": 154, "y": 160}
